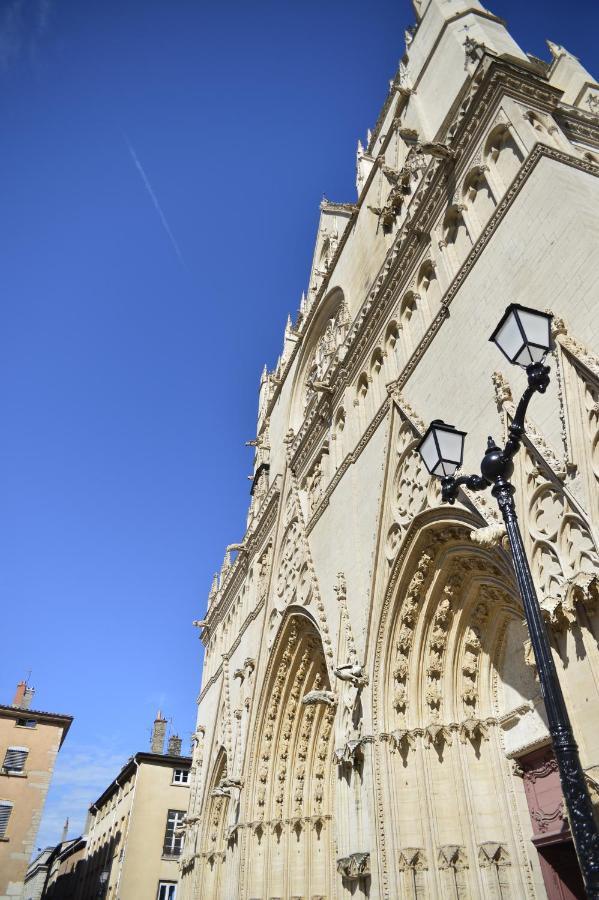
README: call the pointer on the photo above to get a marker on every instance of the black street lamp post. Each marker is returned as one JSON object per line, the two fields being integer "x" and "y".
{"x": 524, "y": 337}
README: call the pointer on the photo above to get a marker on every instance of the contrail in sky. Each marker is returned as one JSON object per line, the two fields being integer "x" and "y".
{"x": 154, "y": 200}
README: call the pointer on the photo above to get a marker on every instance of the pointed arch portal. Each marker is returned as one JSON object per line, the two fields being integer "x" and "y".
{"x": 455, "y": 702}
{"x": 288, "y": 837}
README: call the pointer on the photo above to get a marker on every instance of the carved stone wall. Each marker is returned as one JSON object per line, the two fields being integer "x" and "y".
{"x": 369, "y": 720}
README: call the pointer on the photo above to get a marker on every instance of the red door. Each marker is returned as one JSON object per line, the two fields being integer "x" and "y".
{"x": 561, "y": 872}
{"x": 551, "y": 835}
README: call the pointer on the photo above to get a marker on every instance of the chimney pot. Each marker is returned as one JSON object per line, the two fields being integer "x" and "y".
{"x": 158, "y": 734}
{"x": 23, "y": 695}
{"x": 174, "y": 745}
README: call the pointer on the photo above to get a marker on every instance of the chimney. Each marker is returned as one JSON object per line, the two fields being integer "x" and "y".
{"x": 23, "y": 695}
{"x": 65, "y": 831}
{"x": 174, "y": 745}
{"x": 158, "y": 734}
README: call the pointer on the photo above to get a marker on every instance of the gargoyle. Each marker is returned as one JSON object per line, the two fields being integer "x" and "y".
{"x": 314, "y": 697}
{"x": 437, "y": 150}
{"x": 221, "y": 792}
{"x": 320, "y": 387}
{"x": 228, "y": 783}
{"x": 386, "y": 214}
{"x": 353, "y": 673}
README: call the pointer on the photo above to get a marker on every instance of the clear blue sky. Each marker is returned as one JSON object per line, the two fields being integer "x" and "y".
{"x": 136, "y": 316}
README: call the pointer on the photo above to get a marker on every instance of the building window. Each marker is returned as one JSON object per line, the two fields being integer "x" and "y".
{"x": 167, "y": 890}
{"x": 172, "y": 840}
{"x": 26, "y": 723}
{"x": 5, "y": 811}
{"x": 180, "y": 776}
{"x": 14, "y": 760}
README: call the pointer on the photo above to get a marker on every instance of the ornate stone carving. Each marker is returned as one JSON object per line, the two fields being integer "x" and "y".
{"x": 327, "y": 348}
{"x": 436, "y": 735}
{"x": 492, "y": 853}
{"x": 351, "y": 672}
{"x": 407, "y": 620}
{"x": 410, "y": 484}
{"x": 490, "y": 536}
{"x": 307, "y": 582}
{"x": 355, "y": 866}
{"x": 351, "y": 751}
{"x": 412, "y": 858}
{"x": 328, "y": 698}
{"x": 592, "y": 101}
{"x": 473, "y": 730}
{"x": 292, "y": 566}
{"x": 436, "y": 646}
{"x": 452, "y": 856}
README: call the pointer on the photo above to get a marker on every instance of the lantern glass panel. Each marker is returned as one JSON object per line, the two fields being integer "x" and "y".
{"x": 450, "y": 445}
{"x": 429, "y": 451}
{"x": 537, "y": 329}
{"x": 509, "y": 338}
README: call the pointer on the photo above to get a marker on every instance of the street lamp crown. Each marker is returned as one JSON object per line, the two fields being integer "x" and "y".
{"x": 442, "y": 448}
{"x": 523, "y": 335}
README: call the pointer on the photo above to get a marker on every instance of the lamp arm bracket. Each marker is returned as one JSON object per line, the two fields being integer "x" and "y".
{"x": 450, "y": 486}
{"x": 538, "y": 382}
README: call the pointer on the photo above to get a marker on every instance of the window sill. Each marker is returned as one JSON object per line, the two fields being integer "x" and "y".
{"x": 172, "y": 857}
{"x": 10, "y": 774}
{"x": 180, "y": 784}
{"x": 4, "y": 840}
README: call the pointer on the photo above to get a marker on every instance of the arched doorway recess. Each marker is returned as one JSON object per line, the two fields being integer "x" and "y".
{"x": 455, "y": 704}
{"x": 287, "y": 822}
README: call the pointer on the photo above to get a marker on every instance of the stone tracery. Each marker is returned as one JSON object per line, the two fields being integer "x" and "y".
{"x": 449, "y": 643}
{"x": 289, "y": 791}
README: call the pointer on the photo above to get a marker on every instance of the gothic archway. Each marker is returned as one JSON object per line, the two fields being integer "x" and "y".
{"x": 288, "y": 836}
{"x": 320, "y": 352}
{"x": 214, "y": 830}
{"x": 455, "y": 702}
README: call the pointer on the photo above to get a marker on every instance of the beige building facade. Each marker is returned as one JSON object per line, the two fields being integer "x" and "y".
{"x": 369, "y": 722}
{"x": 133, "y": 838}
{"x": 54, "y": 873}
{"x": 29, "y": 743}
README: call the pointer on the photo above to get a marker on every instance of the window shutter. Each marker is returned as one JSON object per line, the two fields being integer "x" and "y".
{"x": 5, "y": 811}
{"x": 14, "y": 761}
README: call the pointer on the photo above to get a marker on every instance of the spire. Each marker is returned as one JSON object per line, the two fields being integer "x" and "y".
{"x": 418, "y": 8}
{"x": 557, "y": 50}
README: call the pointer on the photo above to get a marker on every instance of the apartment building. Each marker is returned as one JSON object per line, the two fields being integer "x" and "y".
{"x": 133, "y": 838}
{"x": 29, "y": 743}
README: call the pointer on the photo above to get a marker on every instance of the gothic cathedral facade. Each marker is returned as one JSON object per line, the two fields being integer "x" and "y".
{"x": 370, "y": 723}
